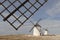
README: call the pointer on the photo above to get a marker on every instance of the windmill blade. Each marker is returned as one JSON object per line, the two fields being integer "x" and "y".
{"x": 32, "y": 22}
{"x": 31, "y": 29}
{"x": 38, "y": 29}
{"x": 38, "y": 20}
{"x": 45, "y": 0}
{"x": 43, "y": 28}
{"x": 39, "y": 26}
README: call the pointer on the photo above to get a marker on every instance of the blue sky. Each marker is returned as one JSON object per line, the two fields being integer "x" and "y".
{"x": 50, "y": 13}
{"x": 49, "y": 10}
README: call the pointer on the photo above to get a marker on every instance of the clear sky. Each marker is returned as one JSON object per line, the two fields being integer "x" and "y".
{"x": 50, "y": 13}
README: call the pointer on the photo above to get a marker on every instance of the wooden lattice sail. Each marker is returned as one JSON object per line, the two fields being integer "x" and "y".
{"x": 19, "y": 11}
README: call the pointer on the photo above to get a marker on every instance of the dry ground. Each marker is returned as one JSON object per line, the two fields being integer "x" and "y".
{"x": 29, "y": 37}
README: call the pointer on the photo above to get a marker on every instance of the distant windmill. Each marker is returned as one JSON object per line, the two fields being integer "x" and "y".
{"x": 36, "y": 28}
{"x": 46, "y": 32}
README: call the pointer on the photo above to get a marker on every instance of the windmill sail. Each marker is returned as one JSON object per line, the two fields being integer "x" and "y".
{"x": 32, "y": 22}
{"x": 18, "y": 13}
{"x": 31, "y": 29}
{"x": 38, "y": 21}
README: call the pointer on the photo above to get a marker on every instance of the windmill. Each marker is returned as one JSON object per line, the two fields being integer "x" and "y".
{"x": 36, "y": 28}
{"x": 46, "y": 31}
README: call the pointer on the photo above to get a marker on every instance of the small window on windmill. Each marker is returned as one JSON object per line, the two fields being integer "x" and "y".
{"x": 17, "y": 12}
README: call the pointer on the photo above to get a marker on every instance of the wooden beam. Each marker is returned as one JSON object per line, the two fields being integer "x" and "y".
{"x": 15, "y": 10}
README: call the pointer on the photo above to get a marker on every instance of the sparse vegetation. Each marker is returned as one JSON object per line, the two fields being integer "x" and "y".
{"x": 29, "y": 37}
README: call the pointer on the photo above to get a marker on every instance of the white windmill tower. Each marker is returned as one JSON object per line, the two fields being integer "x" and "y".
{"x": 36, "y": 28}
{"x": 46, "y": 32}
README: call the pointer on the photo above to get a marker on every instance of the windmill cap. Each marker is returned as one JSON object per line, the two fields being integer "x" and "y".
{"x": 0, "y": 3}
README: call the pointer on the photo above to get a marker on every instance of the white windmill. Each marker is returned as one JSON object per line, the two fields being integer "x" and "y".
{"x": 46, "y": 32}
{"x": 36, "y": 28}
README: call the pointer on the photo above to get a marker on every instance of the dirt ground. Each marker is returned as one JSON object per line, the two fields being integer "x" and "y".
{"x": 29, "y": 37}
